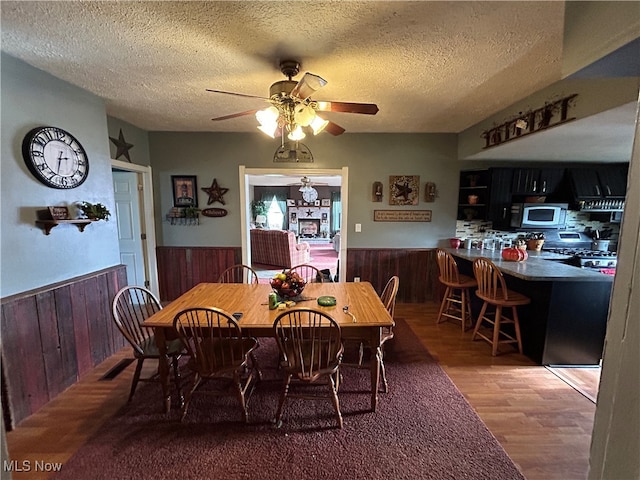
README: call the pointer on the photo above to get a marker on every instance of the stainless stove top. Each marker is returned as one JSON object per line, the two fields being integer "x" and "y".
{"x": 577, "y": 246}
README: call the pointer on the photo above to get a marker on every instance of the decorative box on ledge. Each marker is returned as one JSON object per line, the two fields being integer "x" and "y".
{"x": 54, "y": 216}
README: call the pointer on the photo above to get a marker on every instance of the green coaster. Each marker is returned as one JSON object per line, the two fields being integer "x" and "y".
{"x": 327, "y": 301}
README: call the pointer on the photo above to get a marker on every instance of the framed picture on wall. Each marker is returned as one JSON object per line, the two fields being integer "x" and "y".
{"x": 184, "y": 190}
{"x": 404, "y": 189}
{"x": 326, "y": 202}
{"x": 316, "y": 203}
{"x": 293, "y": 217}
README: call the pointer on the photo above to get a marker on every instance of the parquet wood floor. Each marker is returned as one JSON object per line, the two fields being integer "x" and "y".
{"x": 542, "y": 423}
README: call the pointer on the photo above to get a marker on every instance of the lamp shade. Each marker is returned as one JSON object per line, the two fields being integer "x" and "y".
{"x": 261, "y": 219}
{"x": 296, "y": 134}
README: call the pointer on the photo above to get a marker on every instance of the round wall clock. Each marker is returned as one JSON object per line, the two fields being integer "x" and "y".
{"x": 55, "y": 157}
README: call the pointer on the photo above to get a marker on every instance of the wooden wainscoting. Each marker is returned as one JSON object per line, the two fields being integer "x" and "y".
{"x": 416, "y": 268}
{"x": 181, "y": 268}
{"x": 52, "y": 335}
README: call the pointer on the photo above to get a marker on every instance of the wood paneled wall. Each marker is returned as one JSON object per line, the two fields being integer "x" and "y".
{"x": 181, "y": 268}
{"x": 51, "y": 336}
{"x": 416, "y": 268}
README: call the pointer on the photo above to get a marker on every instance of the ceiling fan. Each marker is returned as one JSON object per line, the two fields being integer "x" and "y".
{"x": 309, "y": 194}
{"x": 292, "y": 108}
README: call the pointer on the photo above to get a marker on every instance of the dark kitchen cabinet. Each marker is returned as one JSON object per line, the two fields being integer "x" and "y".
{"x": 492, "y": 191}
{"x": 499, "y": 208}
{"x": 613, "y": 180}
{"x": 536, "y": 181}
{"x": 602, "y": 181}
{"x": 585, "y": 183}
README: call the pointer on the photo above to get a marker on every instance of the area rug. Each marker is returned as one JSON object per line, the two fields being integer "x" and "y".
{"x": 423, "y": 429}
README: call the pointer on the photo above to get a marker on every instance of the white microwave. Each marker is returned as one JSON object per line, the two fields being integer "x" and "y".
{"x": 539, "y": 215}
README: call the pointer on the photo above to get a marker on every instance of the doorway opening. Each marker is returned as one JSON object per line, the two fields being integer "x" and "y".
{"x": 337, "y": 178}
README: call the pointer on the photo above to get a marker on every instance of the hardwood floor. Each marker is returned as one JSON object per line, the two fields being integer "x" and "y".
{"x": 542, "y": 423}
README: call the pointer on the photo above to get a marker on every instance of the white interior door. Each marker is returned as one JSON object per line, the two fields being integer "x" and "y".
{"x": 127, "y": 197}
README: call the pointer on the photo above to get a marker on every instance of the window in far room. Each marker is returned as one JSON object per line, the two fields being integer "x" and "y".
{"x": 275, "y": 216}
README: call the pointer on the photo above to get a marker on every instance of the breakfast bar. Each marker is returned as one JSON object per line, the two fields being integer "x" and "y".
{"x": 565, "y": 324}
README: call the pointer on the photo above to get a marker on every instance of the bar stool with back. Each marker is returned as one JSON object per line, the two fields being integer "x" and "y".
{"x": 456, "y": 303}
{"x": 493, "y": 291}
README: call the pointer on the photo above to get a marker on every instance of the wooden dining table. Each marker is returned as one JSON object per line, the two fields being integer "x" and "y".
{"x": 257, "y": 319}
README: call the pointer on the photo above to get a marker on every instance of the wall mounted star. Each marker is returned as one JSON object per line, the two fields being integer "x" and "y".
{"x": 122, "y": 147}
{"x": 309, "y": 213}
{"x": 215, "y": 192}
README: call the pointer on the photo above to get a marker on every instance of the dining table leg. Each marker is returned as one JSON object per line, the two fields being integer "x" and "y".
{"x": 163, "y": 368}
{"x": 376, "y": 358}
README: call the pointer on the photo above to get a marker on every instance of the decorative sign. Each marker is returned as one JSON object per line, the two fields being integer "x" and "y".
{"x": 59, "y": 213}
{"x": 214, "y": 212}
{"x": 402, "y": 215}
{"x": 549, "y": 115}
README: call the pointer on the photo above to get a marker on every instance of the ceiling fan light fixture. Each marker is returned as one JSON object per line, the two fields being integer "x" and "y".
{"x": 304, "y": 114}
{"x": 268, "y": 116}
{"x": 318, "y": 124}
{"x": 296, "y": 134}
{"x": 269, "y": 130}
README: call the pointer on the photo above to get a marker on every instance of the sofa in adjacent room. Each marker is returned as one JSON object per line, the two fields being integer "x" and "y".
{"x": 278, "y": 248}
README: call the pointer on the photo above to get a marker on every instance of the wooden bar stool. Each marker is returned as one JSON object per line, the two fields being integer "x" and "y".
{"x": 493, "y": 291}
{"x": 456, "y": 303}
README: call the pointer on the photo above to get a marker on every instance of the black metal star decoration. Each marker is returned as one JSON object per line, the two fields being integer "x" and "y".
{"x": 309, "y": 213}
{"x": 404, "y": 190}
{"x": 215, "y": 192}
{"x": 122, "y": 147}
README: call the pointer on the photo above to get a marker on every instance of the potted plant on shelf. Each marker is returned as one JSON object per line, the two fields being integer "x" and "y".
{"x": 94, "y": 211}
{"x": 535, "y": 240}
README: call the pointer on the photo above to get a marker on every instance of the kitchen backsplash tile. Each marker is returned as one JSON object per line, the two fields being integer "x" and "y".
{"x": 578, "y": 221}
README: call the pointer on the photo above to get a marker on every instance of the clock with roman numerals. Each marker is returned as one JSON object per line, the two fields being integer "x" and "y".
{"x": 55, "y": 157}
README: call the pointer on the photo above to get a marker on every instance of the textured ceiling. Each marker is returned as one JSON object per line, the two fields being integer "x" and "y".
{"x": 429, "y": 66}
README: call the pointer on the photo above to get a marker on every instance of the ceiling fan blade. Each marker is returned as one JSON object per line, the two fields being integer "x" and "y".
{"x": 307, "y": 85}
{"x": 235, "y": 115}
{"x": 334, "y": 129}
{"x": 236, "y": 94}
{"x": 348, "y": 107}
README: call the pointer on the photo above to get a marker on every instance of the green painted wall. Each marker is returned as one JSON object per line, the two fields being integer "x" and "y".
{"x": 31, "y": 259}
{"x": 370, "y": 158}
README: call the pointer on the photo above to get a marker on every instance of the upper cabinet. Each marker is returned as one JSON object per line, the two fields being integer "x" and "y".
{"x": 485, "y": 195}
{"x": 599, "y": 182}
{"x": 536, "y": 181}
{"x": 613, "y": 180}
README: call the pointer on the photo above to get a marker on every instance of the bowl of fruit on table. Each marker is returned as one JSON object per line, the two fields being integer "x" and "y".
{"x": 287, "y": 285}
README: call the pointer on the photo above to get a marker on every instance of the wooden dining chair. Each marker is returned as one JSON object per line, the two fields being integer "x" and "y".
{"x": 388, "y": 298}
{"x": 218, "y": 350}
{"x": 238, "y": 274}
{"x": 309, "y": 273}
{"x": 456, "y": 303}
{"x": 493, "y": 291}
{"x": 131, "y": 306}
{"x": 311, "y": 349}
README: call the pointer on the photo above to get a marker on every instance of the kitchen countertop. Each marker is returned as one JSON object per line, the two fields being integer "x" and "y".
{"x": 540, "y": 266}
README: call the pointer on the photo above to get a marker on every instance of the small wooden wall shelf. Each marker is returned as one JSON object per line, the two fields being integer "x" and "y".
{"x": 47, "y": 225}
